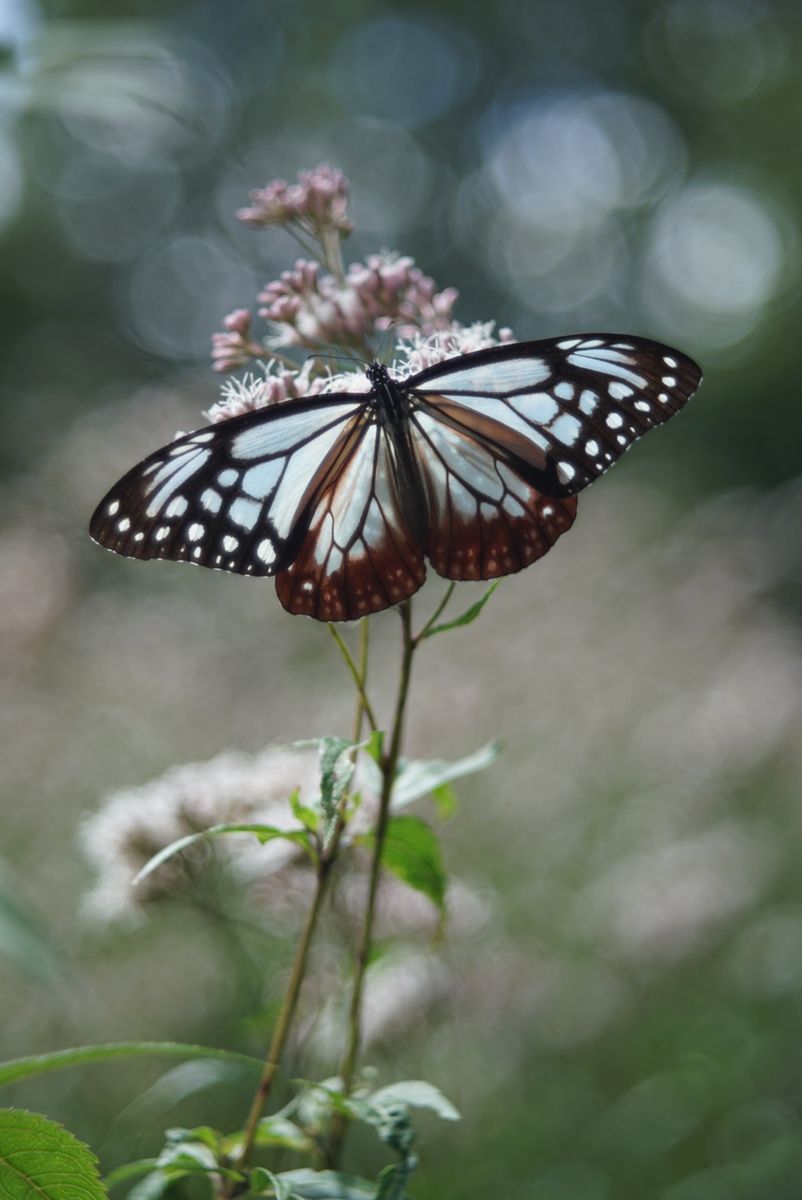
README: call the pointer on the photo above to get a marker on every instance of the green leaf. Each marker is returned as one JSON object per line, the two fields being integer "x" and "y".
{"x": 336, "y": 771}
{"x": 264, "y": 833}
{"x": 178, "y": 1084}
{"x": 412, "y": 853}
{"x": 392, "y": 1184}
{"x": 41, "y": 1159}
{"x": 23, "y": 941}
{"x": 131, "y": 1170}
{"x": 421, "y": 777}
{"x": 445, "y": 801}
{"x": 261, "y": 1180}
{"x": 38, "y": 1064}
{"x": 416, "y": 1093}
{"x": 279, "y": 1131}
{"x": 328, "y": 1185}
{"x": 153, "y": 1186}
{"x": 374, "y": 746}
{"x": 307, "y": 816}
{"x": 467, "y": 617}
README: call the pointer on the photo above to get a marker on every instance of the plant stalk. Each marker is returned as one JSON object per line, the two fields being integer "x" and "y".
{"x": 389, "y": 767}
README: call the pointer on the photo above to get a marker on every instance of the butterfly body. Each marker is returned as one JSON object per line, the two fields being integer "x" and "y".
{"x": 472, "y": 464}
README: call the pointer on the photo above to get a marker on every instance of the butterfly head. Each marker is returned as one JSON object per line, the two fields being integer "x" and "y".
{"x": 378, "y": 374}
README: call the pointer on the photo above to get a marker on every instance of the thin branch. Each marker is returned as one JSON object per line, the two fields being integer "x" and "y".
{"x": 356, "y": 675}
{"x": 437, "y": 612}
{"x": 282, "y": 1028}
{"x": 389, "y": 767}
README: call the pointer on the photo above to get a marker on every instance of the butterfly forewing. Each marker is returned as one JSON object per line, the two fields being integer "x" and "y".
{"x": 232, "y": 496}
{"x": 580, "y": 402}
{"x": 358, "y": 555}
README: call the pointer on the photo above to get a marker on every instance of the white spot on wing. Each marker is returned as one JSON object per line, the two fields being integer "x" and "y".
{"x": 614, "y": 420}
{"x": 177, "y": 507}
{"x": 266, "y": 552}
{"x": 618, "y": 390}
{"x": 230, "y": 543}
{"x": 260, "y": 481}
{"x": 228, "y": 477}
{"x": 211, "y": 500}
{"x": 195, "y": 532}
{"x": 566, "y": 429}
{"x": 244, "y": 512}
{"x": 588, "y": 403}
{"x": 113, "y": 508}
{"x": 564, "y": 390}
{"x": 123, "y": 524}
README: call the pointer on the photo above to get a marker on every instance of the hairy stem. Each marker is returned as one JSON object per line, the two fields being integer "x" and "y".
{"x": 389, "y": 766}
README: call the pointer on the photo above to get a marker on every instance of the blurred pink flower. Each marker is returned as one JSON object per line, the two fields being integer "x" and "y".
{"x": 235, "y": 347}
{"x": 318, "y": 202}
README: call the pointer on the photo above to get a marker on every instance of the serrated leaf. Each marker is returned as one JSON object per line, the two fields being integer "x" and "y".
{"x": 38, "y": 1064}
{"x": 328, "y": 1185}
{"x": 467, "y": 617}
{"x": 41, "y": 1159}
{"x": 264, "y": 833}
{"x": 420, "y": 777}
{"x": 416, "y": 1093}
{"x": 412, "y": 852}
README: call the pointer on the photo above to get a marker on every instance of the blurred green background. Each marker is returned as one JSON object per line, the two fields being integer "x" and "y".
{"x": 617, "y": 1012}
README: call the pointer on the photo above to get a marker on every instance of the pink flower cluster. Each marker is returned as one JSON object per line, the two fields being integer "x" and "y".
{"x": 260, "y": 391}
{"x": 318, "y": 202}
{"x": 308, "y": 308}
{"x": 419, "y": 351}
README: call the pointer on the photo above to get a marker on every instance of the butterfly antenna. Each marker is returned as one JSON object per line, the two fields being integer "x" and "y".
{"x": 386, "y": 333}
{"x": 352, "y": 359}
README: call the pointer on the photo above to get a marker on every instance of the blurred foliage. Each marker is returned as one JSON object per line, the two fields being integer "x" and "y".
{"x": 625, "y": 1023}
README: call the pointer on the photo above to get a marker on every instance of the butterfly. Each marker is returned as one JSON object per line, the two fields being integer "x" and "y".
{"x": 473, "y": 464}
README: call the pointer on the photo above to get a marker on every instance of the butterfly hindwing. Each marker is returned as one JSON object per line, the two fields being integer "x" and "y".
{"x": 229, "y": 496}
{"x": 579, "y": 401}
{"x": 486, "y": 518}
{"x": 359, "y": 554}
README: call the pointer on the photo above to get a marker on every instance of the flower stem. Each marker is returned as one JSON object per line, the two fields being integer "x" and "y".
{"x": 357, "y": 673}
{"x": 389, "y": 766}
{"x": 283, "y": 1024}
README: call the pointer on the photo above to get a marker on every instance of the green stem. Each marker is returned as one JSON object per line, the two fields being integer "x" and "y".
{"x": 282, "y": 1028}
{"x": 389, "y": 767}
{"x": 357, "y": 674}
{"x": 447, "y": 594}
